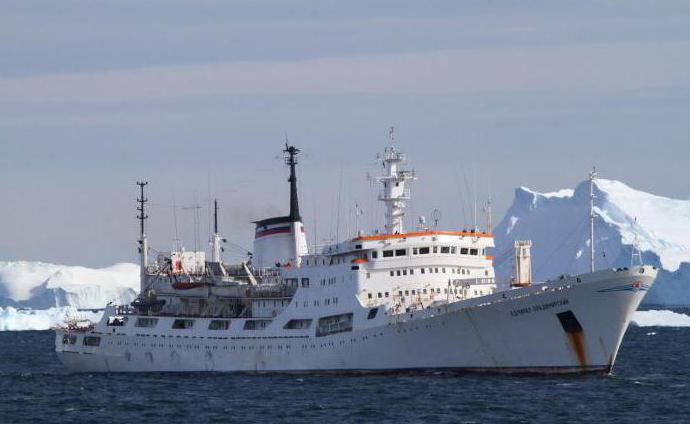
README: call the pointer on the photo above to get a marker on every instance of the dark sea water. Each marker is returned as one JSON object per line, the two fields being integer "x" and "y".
{"x": 650, "y": 383}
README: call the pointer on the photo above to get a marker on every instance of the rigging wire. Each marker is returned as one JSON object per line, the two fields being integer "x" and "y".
{"x": 340, "y": 189}
{"x": 467, "y": 187}
{"x": 460, "y": 197}
{"x": 560, "y": 246}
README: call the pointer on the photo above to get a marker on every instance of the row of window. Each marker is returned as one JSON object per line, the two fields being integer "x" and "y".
{"x": 264, "y": 303}
{"x": 434, "y": 270}
{"x": 216, "y": 324}
{"x": 294, "y": 282}
{"x": 317, "y": 302}
{"x": 87, "y": 341}
{"x": 437, "y": 290}
{"x": 184, "y": 324}
{"x": 448, "y": 250}
{"x": 407, "y": 292}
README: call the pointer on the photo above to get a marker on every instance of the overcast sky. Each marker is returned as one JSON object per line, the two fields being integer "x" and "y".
{"x": 197, "y": 96}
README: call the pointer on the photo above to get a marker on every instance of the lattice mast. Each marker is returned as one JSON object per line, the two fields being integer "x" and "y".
{"x": 394, "y": 193}
{"x": 216, "y": 248}
{"x": 143, "y": 242}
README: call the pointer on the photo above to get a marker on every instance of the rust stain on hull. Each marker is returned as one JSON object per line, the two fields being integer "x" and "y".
{"x": 577, "y": 343}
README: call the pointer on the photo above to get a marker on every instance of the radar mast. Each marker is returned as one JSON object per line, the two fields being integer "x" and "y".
{"x": 592, "y": 177}
{"x": 394, "y": 193}
{"x": 143, "y": 242}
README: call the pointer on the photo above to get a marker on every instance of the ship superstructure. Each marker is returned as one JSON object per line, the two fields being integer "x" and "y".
{"x": 388, "y": 301}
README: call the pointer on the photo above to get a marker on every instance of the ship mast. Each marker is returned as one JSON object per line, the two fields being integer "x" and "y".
{"x": 291, "y": 153}
{"x": 216, "y": 248}
{"x": 592, "y": 177}
{"x": 143, "y": 242}
{"x": 394, "y": 193}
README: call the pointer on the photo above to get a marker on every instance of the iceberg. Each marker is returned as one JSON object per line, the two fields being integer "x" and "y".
{"x": 39, "y": 285}
{"x": 558, "y": 225}
{"x": 653, "y": 318}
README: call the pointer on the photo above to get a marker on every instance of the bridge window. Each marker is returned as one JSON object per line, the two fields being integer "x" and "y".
{"x": 404, "y": 272}
{"x": 397, "y": 272}
{"x": 92, "y": 340}
{"x": 334, "y": 324}
{"x": 400, "y": 252}
{"x": 374, "y": 254}
{"x": 435, "y": 249}
{"x": 445, "y": 249}
{"x": 219, "y": 324}
{"x": 453, "y": 250}
{"x": 305, "y": 282}
{"x": 415, "y": 250}
{"x": 257, "y": 324}
{"x": 464, "y": 250}
{"x": 146, "y": 322}
{"x": 423, "y": 250}
{"x": 474, "y": 252}
{"x": 380, "y": 295}
{"x": 387, "y": 253}
{"x": 298, "y": 324}
{"x": 422, "y": 269}
{"x": 182, "y": 324}
{"x": 392, "y": 273}
{"x": 372, "y": 313}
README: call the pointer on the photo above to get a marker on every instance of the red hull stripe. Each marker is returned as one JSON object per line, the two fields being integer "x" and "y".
{"x": 269, "y": 232}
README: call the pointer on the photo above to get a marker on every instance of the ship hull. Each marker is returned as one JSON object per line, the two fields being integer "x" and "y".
{"x": 567, "y": 328}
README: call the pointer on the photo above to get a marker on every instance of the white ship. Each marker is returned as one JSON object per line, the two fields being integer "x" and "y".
{"x": 391, "y": 301}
